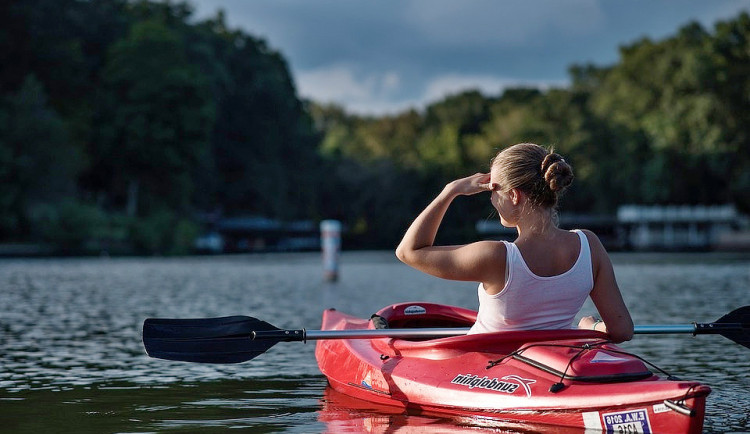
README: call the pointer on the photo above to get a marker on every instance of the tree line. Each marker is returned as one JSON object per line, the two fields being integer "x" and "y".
{"x": 123, "y": 123}
{"x": 666, "y": 124}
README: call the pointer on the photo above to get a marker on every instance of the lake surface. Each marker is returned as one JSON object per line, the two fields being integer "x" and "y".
{"x": 71, "y": 358}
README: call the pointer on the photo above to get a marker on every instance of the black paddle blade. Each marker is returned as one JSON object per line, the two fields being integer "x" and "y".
{"x": 740, "y": 320}
{"x": 206, "y": 340}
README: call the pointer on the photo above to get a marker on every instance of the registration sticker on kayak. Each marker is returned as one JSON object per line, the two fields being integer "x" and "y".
{"x": 632, "y": 421}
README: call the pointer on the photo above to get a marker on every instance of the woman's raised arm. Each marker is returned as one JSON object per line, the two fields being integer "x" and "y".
{"x": 473, "y": 261}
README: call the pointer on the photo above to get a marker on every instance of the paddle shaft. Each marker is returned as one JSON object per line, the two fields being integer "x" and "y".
{"x": 302, "y": 334}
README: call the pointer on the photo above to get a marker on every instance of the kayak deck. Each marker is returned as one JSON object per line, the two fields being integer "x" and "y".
{"x": 570, "y": 378}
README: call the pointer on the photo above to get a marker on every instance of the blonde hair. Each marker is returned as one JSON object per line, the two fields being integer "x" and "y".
{"x": 540, "y": 173}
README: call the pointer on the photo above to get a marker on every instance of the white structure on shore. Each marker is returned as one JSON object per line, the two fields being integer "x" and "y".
{"x": 677, "y": 227}
{"x": 655, "y": 227}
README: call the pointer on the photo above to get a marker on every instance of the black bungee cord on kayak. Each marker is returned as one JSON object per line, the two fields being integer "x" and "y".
{"x": 518, "y": 352}
{"x": 560, "y": 385}
{"x": 556, "y": 387}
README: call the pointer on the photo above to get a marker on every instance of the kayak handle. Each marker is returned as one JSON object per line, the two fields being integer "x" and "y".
{"x": 679, "y": 407}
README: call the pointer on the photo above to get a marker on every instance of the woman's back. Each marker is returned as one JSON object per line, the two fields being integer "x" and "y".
{"x": 550, "y": 256}
{"x": 530, "y": 301}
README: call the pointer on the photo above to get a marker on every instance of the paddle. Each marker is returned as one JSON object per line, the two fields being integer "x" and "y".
{"x": 235, "y": 339}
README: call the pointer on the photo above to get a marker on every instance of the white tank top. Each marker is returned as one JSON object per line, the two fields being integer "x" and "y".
{"x": 531, "y": 302}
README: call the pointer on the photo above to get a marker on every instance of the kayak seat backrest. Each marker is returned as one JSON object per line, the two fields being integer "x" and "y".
{"x": 423, "y": 315}
{"x": 598, "y": 363}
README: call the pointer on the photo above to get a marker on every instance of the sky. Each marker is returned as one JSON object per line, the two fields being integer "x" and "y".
{"x": 376, "y": 57}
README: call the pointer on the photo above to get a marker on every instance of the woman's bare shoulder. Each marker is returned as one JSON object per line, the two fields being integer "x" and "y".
{"x": 492, "y": 250}
{"x": 599, "y": 255}
{"x": 594, "y": 242}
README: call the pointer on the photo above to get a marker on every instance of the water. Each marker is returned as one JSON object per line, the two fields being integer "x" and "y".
{"x": 71, "y": 358}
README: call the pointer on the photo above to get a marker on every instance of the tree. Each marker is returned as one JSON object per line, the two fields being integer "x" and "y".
{"x": 263, "y": 142}
{"x": 671, "y": 120}
{"x": 731, "y": 56}
{"x": 38, "y": 164}
{"x": 159, "y": 116}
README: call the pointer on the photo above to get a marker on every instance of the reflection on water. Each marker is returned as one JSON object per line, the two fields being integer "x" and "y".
{"x": 71, "y": 350}
{"x": 260, "y": 405}
{"x": 344, "y": 414}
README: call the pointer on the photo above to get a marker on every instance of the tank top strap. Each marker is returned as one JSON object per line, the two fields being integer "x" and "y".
{"x": 511, "y": 259}
{"x": 584, "y": 257}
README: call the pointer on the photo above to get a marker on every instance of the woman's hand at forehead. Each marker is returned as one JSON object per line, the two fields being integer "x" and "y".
{"x": 477, "y": 183}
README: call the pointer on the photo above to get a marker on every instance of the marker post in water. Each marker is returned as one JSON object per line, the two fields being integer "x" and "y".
{"x": 330, "y": 240}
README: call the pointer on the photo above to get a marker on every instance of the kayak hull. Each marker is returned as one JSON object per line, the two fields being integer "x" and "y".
{"x": 555, "y": 378}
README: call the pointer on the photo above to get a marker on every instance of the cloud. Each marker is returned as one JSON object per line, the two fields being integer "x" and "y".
{"x": 379, "y": 57}
{"x": 341, "y": 84}
{"x": 333, "y": 84}
{"x": 723, "y": 12}
{"x": 378, "y": 93}
{"x": 505, "y": 24}
{"x": 451, "y": 84}
{"x": 383, "y": 107}
{"x": 391, "y": 81}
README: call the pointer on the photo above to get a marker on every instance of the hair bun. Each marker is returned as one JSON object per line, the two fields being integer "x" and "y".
{"x": 557, "y": 172}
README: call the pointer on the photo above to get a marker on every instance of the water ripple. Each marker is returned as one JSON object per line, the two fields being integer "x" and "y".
{"x": 70, "y": 333}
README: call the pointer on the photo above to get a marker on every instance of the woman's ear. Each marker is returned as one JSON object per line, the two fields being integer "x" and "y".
{"x": 515, "y": 196}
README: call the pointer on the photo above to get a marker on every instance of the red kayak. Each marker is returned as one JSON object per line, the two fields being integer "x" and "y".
{"x": 555, "y": 378}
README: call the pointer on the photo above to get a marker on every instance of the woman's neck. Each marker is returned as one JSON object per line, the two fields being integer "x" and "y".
{"x": 536, "y": 224}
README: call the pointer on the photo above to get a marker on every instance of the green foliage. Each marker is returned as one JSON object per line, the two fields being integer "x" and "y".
{"x": 37, "y": 161}
{"x": 162, "y": 233}
{"x": 668, "y": 104}
{"x": 665, "y": 124}
{"x": 145, "y": 112}
{"x": 71, "y": 226}
{"x": 159, "y": 117}
{"x": 184, "y": 234}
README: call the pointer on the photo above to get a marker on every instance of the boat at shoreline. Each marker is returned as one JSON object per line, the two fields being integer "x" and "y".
{"x": 555, "y": 378}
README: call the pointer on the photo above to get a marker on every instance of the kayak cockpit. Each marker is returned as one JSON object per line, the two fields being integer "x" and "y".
{"x": 575, "y": 354}
{"x": 426, "y": 315}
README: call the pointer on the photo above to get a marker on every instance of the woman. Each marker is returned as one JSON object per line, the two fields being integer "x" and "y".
{"x": 542, "y": 279}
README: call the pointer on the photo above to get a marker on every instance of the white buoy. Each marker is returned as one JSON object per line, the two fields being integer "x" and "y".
{"x": 330, "y": 240}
